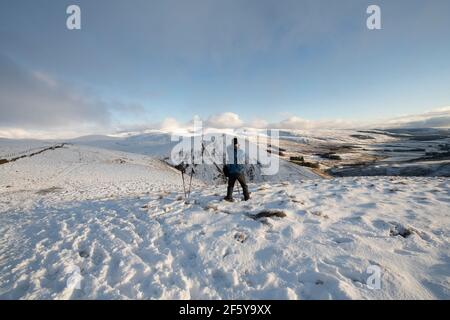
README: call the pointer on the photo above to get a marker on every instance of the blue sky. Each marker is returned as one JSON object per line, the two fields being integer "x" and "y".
{"x": 142, "y": 61}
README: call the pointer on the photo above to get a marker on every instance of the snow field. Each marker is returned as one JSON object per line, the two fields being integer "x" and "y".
{"x": 86, "y": 223}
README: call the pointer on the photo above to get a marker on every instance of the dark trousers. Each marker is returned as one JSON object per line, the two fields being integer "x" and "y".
{"x": 232, "y": 180}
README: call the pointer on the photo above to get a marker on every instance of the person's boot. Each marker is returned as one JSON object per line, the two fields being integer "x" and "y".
{"x": 246, "y": 193}
{"x": 229, "y": 196}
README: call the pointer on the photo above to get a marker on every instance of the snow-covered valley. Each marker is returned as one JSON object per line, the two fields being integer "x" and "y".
{"x": 118, "y": 222}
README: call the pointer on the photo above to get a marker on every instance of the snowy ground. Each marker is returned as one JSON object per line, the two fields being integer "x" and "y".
{"x": 14, "y": 148}
{"x": 121, "y": 220}
{"x": 78, "y": 173}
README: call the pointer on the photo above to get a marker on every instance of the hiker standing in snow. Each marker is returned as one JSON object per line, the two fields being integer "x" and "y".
{"x": 235, "y": 170}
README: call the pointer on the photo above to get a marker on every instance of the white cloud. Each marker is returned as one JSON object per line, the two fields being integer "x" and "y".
{"x": 224, "y": 120}
{"x": 305, "y": 124}
{"x": 169, "y": 124}
{"x": 293, "y": 123}
{"x": 437, "y": 118}
{"x": 228, "y": 120}
{"x": 257, "y": 124}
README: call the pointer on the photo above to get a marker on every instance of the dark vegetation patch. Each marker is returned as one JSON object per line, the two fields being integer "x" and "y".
{"x": 311, "y": 165}
{"x": 269, "y": 214}
{"x": 299, "y": 160}
{"x": 49, "y": 190}
{"x": 362, "y": 137}
{"x": 330, "y": 156}
{"x": 432, "y": 156}
{"x": 399, "y": 150}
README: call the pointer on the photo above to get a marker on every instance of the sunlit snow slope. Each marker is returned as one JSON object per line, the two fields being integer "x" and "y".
{"x": 122, "y": 221}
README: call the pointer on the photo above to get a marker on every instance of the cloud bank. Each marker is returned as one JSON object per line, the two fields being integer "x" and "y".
{"x": 439, "y": 118}
{"x": 224, "y": 120}
{"x": 33, "y": 100}
{"x": 228, "y": 120}
{"x": 34, "y": 105}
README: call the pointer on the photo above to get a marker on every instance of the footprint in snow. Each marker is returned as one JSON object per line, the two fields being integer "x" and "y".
{"x": 342, "y": 240}
{"x": 222, "y": 278}
{"x": 319, "y": 213}
{"x": 212, "y": 206}
{"x": 240, "y": 237}
{"x": 398, "y": 229}
{"x": 294, "y": 199}
{"x": 84, "y": 253}
{"x": 226, "y": 252}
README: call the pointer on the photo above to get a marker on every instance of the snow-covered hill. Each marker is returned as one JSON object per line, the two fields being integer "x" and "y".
{"x": 81, "y": 222}
{"x": 394, "y": 152}
{"x": 158, "y": 144}
{"x": 81, "y": 172}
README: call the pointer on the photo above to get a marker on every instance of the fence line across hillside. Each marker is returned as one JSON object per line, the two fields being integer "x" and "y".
{"x": 29, "y": 152}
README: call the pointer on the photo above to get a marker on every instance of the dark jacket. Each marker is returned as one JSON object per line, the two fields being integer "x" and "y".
{"x": 236, "y": 162}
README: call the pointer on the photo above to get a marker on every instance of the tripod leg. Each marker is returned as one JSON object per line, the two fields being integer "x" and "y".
{"x": 190, "y": 183}
{"x": 184, "y": 186}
